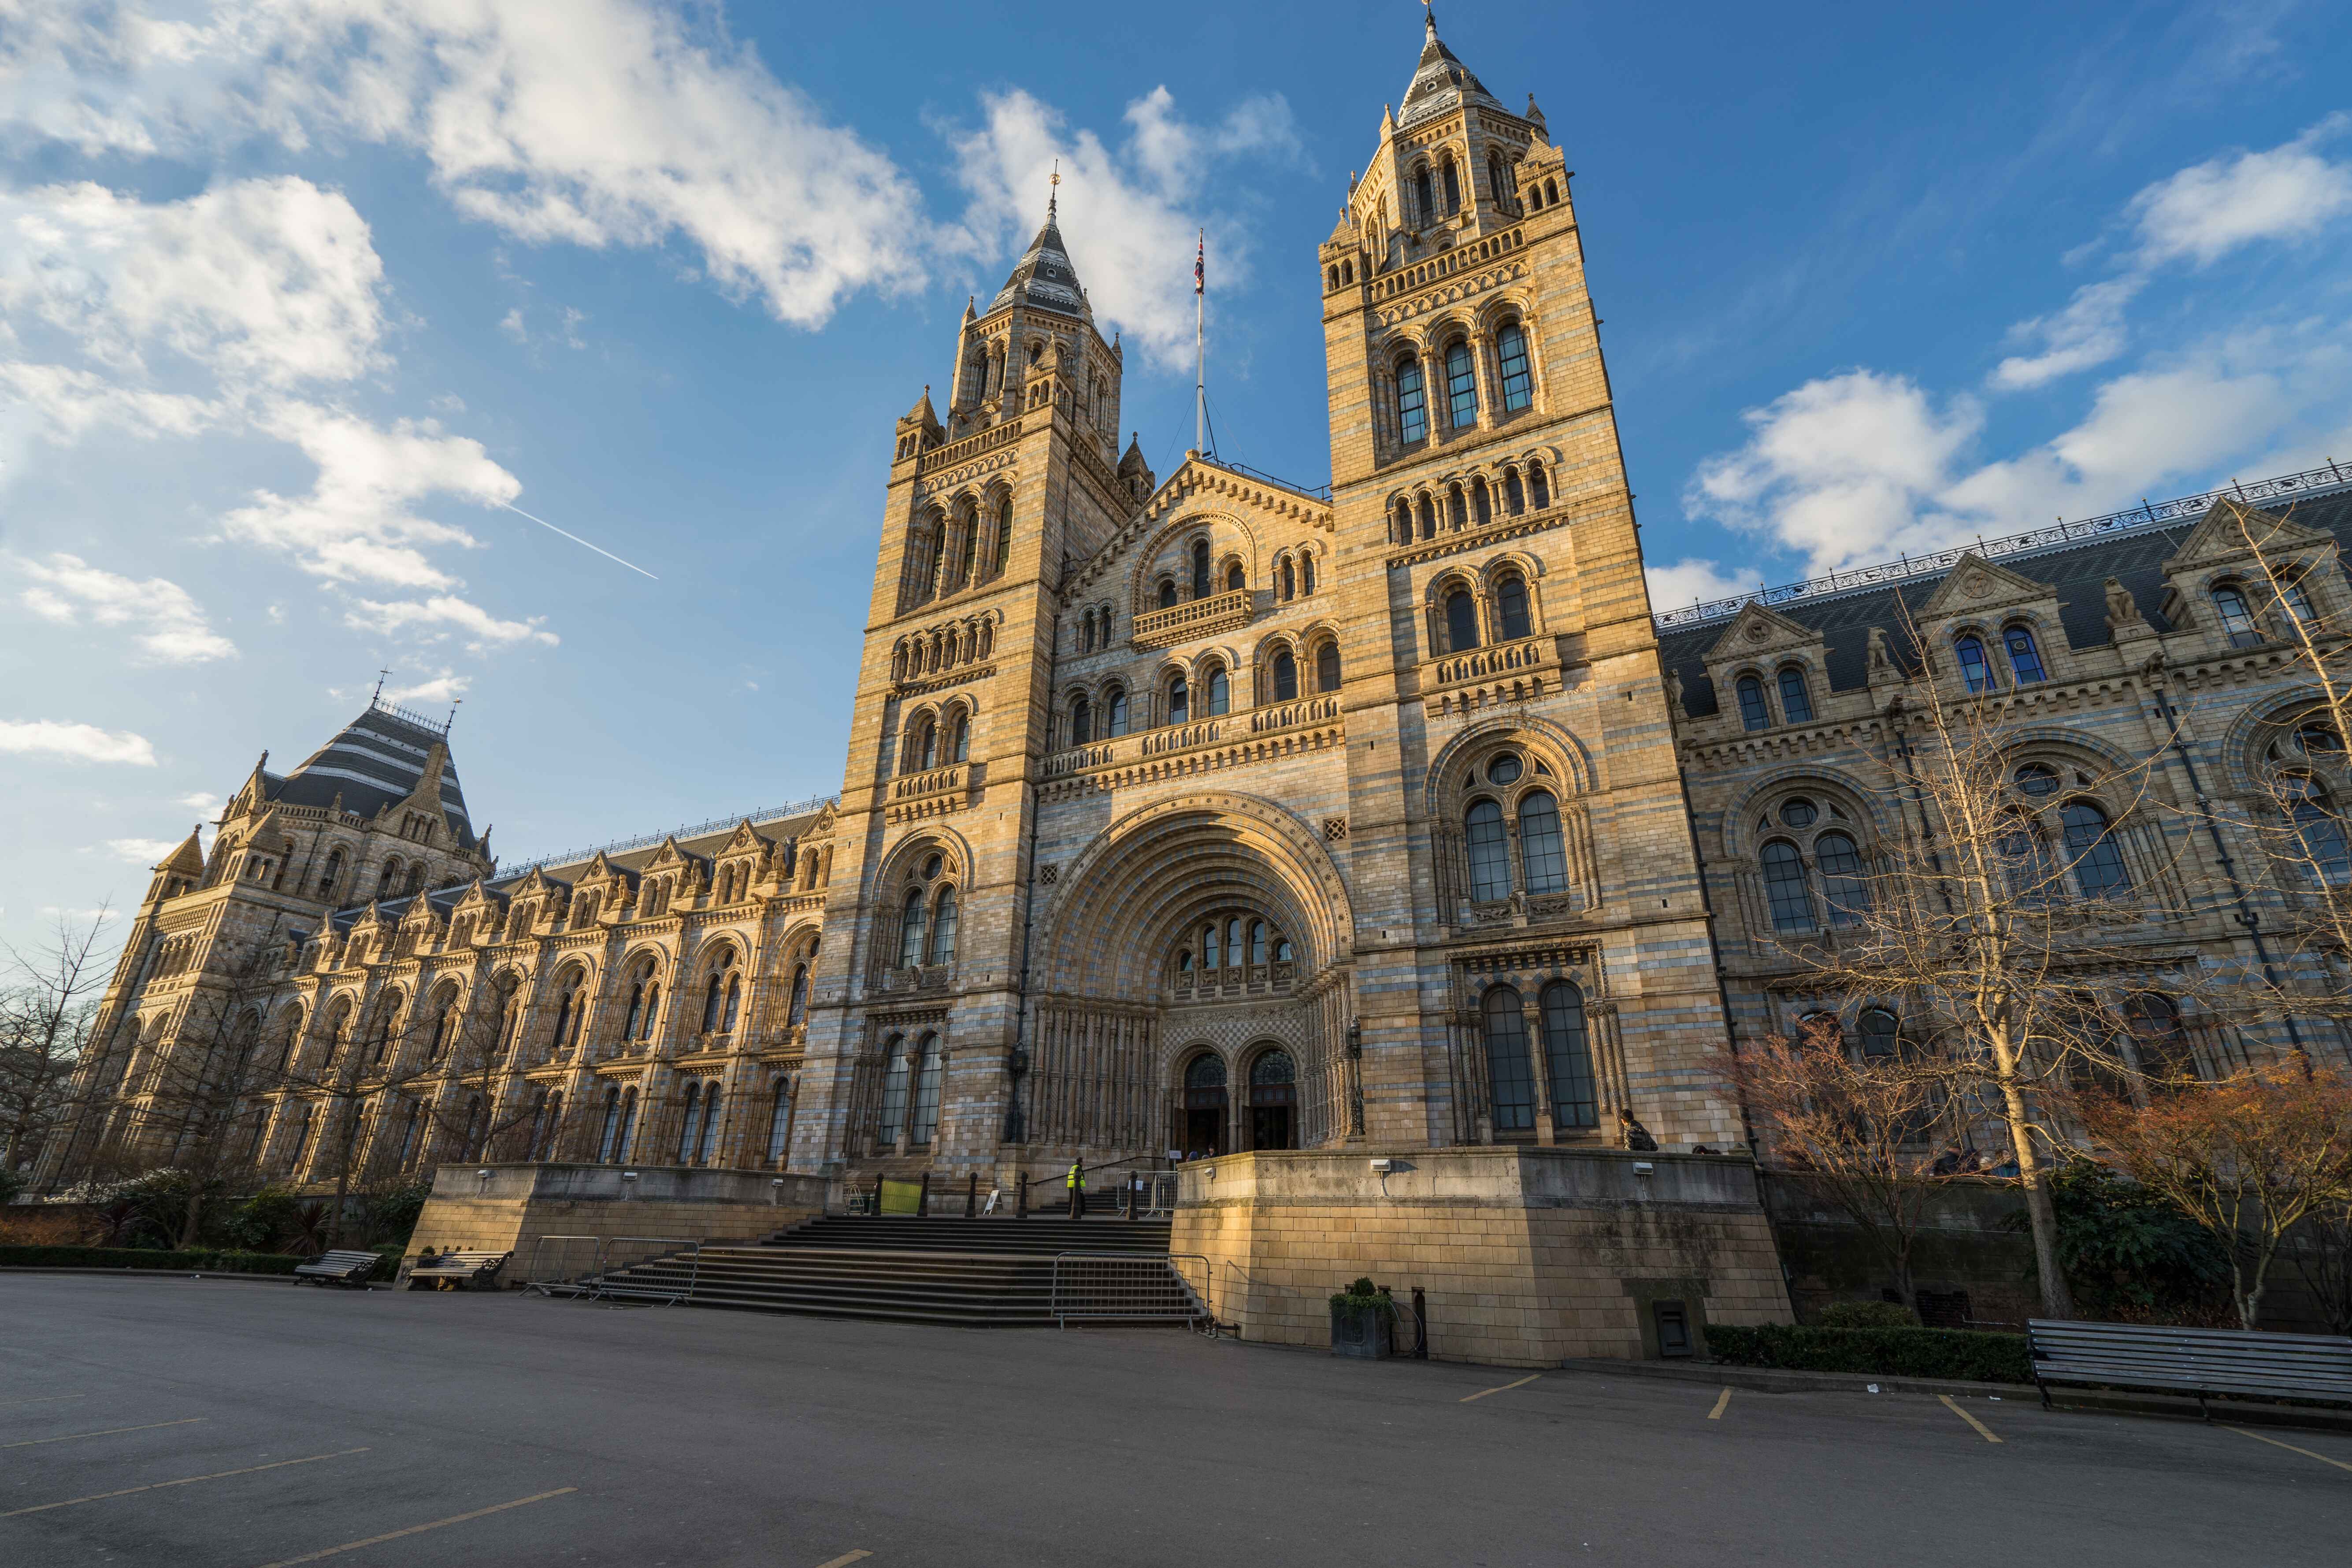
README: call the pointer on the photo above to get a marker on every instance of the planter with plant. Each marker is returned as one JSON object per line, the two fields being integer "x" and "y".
{"x": 1363, "y": 1317}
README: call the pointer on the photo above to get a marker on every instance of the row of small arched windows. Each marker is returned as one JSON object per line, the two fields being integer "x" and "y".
{"x": 1426, "y": 515}
{"x": 1511, "y": 616}
{"x": 1205, "y": 694}
{"x": 1458, "y": 364}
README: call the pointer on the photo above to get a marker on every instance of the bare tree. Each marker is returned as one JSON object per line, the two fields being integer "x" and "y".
{"x": 46, "y": 1015}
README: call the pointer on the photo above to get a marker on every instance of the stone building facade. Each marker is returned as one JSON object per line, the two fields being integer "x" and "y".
{"x": 1206, "y": 814}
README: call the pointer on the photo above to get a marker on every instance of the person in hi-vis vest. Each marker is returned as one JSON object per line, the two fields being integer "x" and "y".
{"x": 1077, "y": 1184}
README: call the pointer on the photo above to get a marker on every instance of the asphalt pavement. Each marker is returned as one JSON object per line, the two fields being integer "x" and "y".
{"x": 201, "y": 1425}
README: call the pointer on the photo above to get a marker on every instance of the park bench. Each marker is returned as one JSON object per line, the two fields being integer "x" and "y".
{"x": 460, "y": 1271}
{"x": 2241, "y": 1362}
{"x": 339, "y": 1268}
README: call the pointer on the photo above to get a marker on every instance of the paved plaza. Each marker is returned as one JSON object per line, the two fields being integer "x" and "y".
{"x": 201, "y": 1425}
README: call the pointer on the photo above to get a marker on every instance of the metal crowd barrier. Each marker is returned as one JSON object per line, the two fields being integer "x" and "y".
{"x": 545, "y": 1277}
{"x": 604, "y": 1258}
{"x": 1132, "y": 1287}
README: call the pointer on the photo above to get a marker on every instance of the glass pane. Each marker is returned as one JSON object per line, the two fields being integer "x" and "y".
{"x": 1753, "y": 714}
{"x": 1511, "y": 346}
{"x": 893, "y": 1093}
{"x": 1785, "y": 888}
{"x": 1568, "y": 1058}
{"x": 926, "y": 1094}
{"x": 1540, "y": 843}
{"x": 1509, "y": 1073}
{"x": 2098, "y": 861}
{"x": 1413, "y": 418}
{"x": 1796, "y": 701}
{"x": 1841, "y": 883}
{"x": 1286, "y": 677}
{"x": 1975, "y": 670}
{"x": 2023, "y": 656}
{"x": 1511, "y": 602}
{"x": 1211, "y": 952}
{"x": 1219, "y": 691}
{"x": 1460, "y": 622}
{"x": 1878, "y": 1031}
{"x": 1461, "y": 387}
{"x": 1490, "y": 858}
{"x": 943, "y": 928}
{"x": 910, "y": 930}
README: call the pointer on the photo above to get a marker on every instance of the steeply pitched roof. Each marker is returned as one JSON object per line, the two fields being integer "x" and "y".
{"x": 1440, "y": 83}
{"x": 374, "y": 761}
{"x": 2078, "y": 572}
{"x": 1043, "y": 277}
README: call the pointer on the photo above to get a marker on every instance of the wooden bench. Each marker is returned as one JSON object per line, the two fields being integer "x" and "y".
{"x": 2243, "y": 1363}
{"x": 339, "y": 1268}
{"x": 460, "y": 1271}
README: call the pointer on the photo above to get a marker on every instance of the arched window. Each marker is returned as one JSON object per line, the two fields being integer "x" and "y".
{"x": 709, "y": 1145}
{"x": 926, "y": 1093}
{"x": 1428, "y": 518}
{"x": 1114, "y": 713}
{"x": 1511, "y": 351}
{"x": 1509, "y": 1074}
{"x": 444, "y": 1025}
{"x": 796, "y": 1011}
{"x": 1290, "y": 580}
{"x": 1286, "y": 676}
{"x": 713, "y": 997}
{"x": 1539, "y": 489}
{"x": 2165, "y": 1057}
{"x": 1460, "y": 621}
{"x": 780, "y": 1121}
{"x": 1539, "y": 845}
{"x": 692, "y": 1125}
{"x": 1490, "y": 853}
{"x": 2037, "y": 779}
{"x": 1515, "y": 497}
{"x": 1461, "y": 388}
{"x": 1453, "y": 189}
{"x": 1482, "y": 505}
{"x": 332, "y": 874}
{"x": 1754, "y": 713}
{"x": 653, "y": 1009}
{"x": 910, "y": 930}
{"x": 894, "y": 1092}
{"x": 1212, "y": 947}
{"x": 1200, "y": 569}
{"x": 1425, "y": 203}
{"x": 1785, "y": 890}
{"x": 1412, "y": 410}
{"x": 389, "y": 883}
{"x": 943, "y": 927}
{"x": 731, "y": 1004}
{"x": 1082, "y": 722}
{"x": 2025, "y": 856}
{"x": 1976, "y": 669}
{"x": 1879, "y": 1030}
{"x": 1511, "y": 606}
{"x": 1167, "y": 593}
{"x": 2024, "y": 658}
{"x": 2318, "y": 830}
{"x": 959, "y": 738}
{"x": 2237, "y": 621}
{"x": 2097, "y": 858}
{"x": 636, "y": 1011}
{"x": 1179, "y": 701}
{"x": 564, "y": 1005}
{"x": 1234, "y": 943}
{"x": 1234, "y": 579}
{"x": 2296, "y": 601}
{"x": 1327, "y": 666}
{"x": 1257, "y": 942}
{"x": 1796, "y": 699}
{"x": 1306, "y": 573}
{"x": 1220, "y": 689}
{"x": 1004, "y": 538}
{"x": 1842, "y": 884}
{"x": 1568, "y": 1058}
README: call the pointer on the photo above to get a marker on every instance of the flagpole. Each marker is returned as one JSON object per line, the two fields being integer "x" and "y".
{"x": 1200, "y": 347}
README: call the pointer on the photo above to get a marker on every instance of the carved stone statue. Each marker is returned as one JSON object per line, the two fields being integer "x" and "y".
{"x": 1882, "y": 662}
{"x": 2121, "y": 609}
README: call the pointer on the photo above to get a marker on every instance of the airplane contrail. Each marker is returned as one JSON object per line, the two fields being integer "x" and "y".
{"x": 577, "y": 539}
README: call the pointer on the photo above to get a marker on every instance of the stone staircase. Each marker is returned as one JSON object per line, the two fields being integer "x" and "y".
{"x": 990, "y": 1273}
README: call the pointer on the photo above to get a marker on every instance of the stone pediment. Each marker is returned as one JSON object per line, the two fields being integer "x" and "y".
{"x": 1757, "y": 630}
{"x": 1975, "y": 586}
{"x": 743, "y": 838}
{"x": 2233, "y": 531}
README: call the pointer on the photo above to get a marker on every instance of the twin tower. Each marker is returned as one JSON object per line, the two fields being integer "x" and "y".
{"x": 1206, "y": 814}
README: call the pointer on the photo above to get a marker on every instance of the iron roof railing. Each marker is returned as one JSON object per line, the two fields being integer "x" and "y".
{"x": 1321, "y": 491}
{"x": 808, "y": 807}
{"x": 2146, "y": 515}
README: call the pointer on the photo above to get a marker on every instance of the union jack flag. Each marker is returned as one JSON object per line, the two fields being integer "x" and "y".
{"x": 1201, "y": 267}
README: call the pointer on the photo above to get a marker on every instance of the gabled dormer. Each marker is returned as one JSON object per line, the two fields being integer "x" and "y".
{"x": 179, "y": 871}
{"x": 1992, "y": 630}
{"x": 2245, "y": 576}
{"x": 1767, "y": 670}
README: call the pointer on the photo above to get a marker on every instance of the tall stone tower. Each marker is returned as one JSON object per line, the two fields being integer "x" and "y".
{"x": 1512, "y": 771}
{"x": 931, "y": 876}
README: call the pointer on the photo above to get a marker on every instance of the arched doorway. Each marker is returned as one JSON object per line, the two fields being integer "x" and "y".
{"x": 1203, "y": 1128}
{"x": 1273, "y": 1100}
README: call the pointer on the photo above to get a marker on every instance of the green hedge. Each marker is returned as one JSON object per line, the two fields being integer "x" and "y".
{"x": 1962, "y": 1353}
{"x": 208, "y": 1261}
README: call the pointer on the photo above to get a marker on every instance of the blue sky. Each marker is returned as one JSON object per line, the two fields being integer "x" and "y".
{"x": 297, "y": 300}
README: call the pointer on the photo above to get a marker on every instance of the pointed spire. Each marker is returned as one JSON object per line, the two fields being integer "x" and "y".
{"x": 188, "y": 859}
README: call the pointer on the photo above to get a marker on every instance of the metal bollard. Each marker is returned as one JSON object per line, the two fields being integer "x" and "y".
{"x": 1022, "y": 1212}
{"x": 923, "y": 1198}
{"x": 1419, "y": 1324}
{"x": 972, "y": 1197}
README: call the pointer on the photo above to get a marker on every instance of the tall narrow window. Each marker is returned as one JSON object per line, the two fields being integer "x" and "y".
{"x": 1538, "y": 488}
{"x": 1568, "y": 1056}
{"x": 1511, "y": 351}
{"x": 780, "y": 1121}
{"x": 710, "y": 1000}
{"x": 1975, "y": 668}
{"x": 1490, "y": 853}
{"x": 1460, "y": 621}
{"x": 1754, "y": 713}
{"x": 1461, "y": 390}
{"x": 1453, "y": 189}
{"x": 1412, "y": 412}
{"x": 628, "y": 1133}
{"x": 608, "y": 1134}
{"x": 1515, "y": 495}
{"x": 1841, "y": 884}
{"x": 1424, "y": 205}
{"x": 1540, "y": 843}
{"x": 959, "y": 736}
{"x": 2024, "y": 658}
{"x": 910, "y": 929}
{"x": 2032, "y": 875}
{"x": 1879, "y": 1030}
{"x": 1179, "y": 701}
{"x": 1785, "y": 890}
{"x": 709, "y": 1145}
{"x": 1428, "y": 518}
{"x": 1257, "y": 942}
{"x": 2317, "y": 829}
{"x": 636, "y": 1011}
{"x": 1201, "y": 569}
{"x": 1003, "y": 539}
{"x": 1796, "y": 699}
{"x": 893, "y": 1093}
{"x": 1327, "y": 668}
{"x": 1290, "y": 580}
{"x": 332, "y": 874}
{"x": 1307, "y": 575}
{"x": 1509, "y": 1074}
{"x": 733, "y": 1003}
{"x": 2098, "y": 860}
{"x": 1482, "y": 502}
{"x": 1220, "y": 689}
{"x": 926, "y": 1093}
{"x": 2237, "y": 621}
{"x": 1211, "y": 948}
{"x": 653, "y": 1010}
{"x": 1233, "y": 943}
{"x": 2298, "y": 603}
{"x": 1286, "y": 676}
{"x": 928, "y": 750}
{"x": 796, "y": 1011}
{"x": 943, "y": 928}
{"x": 1167, "y": 593}
{"x": 1234, "y": 579}
{"x": 1081, "y": 722}
{"x": 692, "y": 1125}
{"x": 1114, "y": 713}
{"x": 1511, "y": 607}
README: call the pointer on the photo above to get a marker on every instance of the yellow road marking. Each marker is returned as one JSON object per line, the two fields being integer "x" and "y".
{"x": 1982, "y": 1430}
{"x": 845, "y": 1559}
{"x": 1716, "y": 1414}
{"x": 418, "y": 1528}
{"x": 183, "y": 1481}
{"x": 111, "y": 1431}
{"x": 1504, "y": 1389}
{"x": 2290, "y": 1447}
{"x": 45, "y": 1399}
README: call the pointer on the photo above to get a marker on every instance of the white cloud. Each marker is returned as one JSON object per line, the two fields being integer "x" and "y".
{"x": 2204, "y": 212}
{"x": 76, "y": 743}
{"x": 202, "y": 800}
{"x": 445, "y": 686}
{"x": 173, "y": 630}
{"x": 2088, "y": 332}
{"x": 511, "y": 325}
{"x": 1692, "y": 580}
{"x": 140, "y": 851}
{"x": 1131, "y": 215}
{"x": 484, "y": 629}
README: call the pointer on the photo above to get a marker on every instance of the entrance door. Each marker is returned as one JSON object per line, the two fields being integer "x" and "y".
{"x": 1204, "y": 1130}
{"x": 1269, "y": 1127}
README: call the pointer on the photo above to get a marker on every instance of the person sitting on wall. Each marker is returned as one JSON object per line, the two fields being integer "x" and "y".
{"x": 1632, "y": 1134}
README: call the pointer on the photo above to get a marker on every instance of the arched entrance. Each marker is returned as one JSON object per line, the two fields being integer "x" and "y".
{"x": 1201, "y": 1126}
{"x": 1273, "y": 1099}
